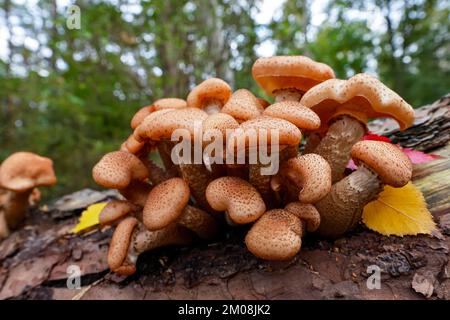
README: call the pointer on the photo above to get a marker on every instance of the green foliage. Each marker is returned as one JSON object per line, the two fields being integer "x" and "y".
{"x": 71, "y": 98}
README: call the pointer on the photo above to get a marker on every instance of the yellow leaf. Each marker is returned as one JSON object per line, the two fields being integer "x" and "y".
{"x": 399, "y": 211}
{"x": 89, "y": 217}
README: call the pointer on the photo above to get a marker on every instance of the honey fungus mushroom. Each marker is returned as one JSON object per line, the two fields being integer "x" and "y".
{"x": 210, "y": 95}
{"x": 277, "y": 235}
{"x": 379, "y": 163}
{"x": 289, "y": 77}
{"x": 20, "y": 174}
{"x": 243, "y": 106}
{"x": 344, "y": 107}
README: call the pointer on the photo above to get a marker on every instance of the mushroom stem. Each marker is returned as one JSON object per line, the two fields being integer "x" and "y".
{"x": 4, "y": 229}
{"x": 335, "y": 147}
{"x": 212, "y": 106}
{"x": 165, "y": 149}
{"x": 157, "y": 174}
{"x": 16, "y": 207}
{"x": 288, "y": 95}
{"x": 342, "y": 207}
{"x": 313, "y": 140}
{"x": 199, "y": 221}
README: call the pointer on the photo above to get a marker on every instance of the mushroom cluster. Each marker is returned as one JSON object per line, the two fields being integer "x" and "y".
{"x": 308, "y": 192}
{"x": 20, "y": 176}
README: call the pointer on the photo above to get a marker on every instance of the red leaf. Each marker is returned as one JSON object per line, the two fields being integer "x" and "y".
{"x": 372, "y": 136}
{"x": 418, "y": 157}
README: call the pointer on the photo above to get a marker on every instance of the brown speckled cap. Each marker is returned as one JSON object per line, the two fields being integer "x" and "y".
{"x": 275, "y": 236}
{"x": 23, "y": 171}
{"x": 312, "y": 173}
{"x": 116, "y": 170}
{"x": 116, "y": 210}
{"x": 119, "y": 245}
{"x": 307, "y": 213}
{"x": 387, "y": 160}
{"x": 237, "y": 197}
{"x": 140, "y": 115}
{"x": 294, "y": 112}
{"x": 243, "y": 106}
{"x": 362, "y": 95}
{"x": 169, "y": 103}
{"x": 131, "y": 145}
{"x": 165, "y": 203}
{"x": 161, "y": 124}
{"x": 289, "y": 72}
{"x": 210, "y": 89}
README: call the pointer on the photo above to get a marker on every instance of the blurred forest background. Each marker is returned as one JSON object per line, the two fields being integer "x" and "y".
{"x": 70, "y": 94}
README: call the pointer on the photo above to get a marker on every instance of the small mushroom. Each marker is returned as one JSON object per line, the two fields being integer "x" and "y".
{"x": 277, "y": 235}
{"x": 289, "y": 77}
{"x": 20, "y": 174}
{"x": 131, "y": 238}
{"x": 307, "y": 177}
{"x": 240, "y": 201}
{"x": 116, "y": 210}
{"x": 344, "y": 107}
{"x": 168, "y": 203}
{"x": 161, "y": 104}
{"x": 243, "y": 106}
{"x": 210, "y": 95}
{"x": 379, "y": 163}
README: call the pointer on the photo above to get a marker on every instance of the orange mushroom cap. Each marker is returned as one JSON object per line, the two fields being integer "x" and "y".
{"x": 307, "y": 213}
{"x": 243, "y": 106}
{"x": 161, "y": 104}
{"x": 289, "y": 72}
{"x": 211, "y": 89}
{"x": 140, "y": 115}
{"x": 116, "y": 210}
{"x": 390, "y": 163}
{"x": 295, "y": 113}
{"x": 362, "y": 96}
{"x": 24, "y": 171}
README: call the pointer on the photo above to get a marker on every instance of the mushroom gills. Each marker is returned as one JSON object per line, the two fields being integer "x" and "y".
{"x": 290, "y": 94}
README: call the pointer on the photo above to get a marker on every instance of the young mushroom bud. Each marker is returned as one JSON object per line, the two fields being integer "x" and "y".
{"x": 379, "y": 163}
{"x": 210, "y": 95}
{"x": 344, "y": 107}
{"x": 167, "y": 203}
{"x": 240, "y": 201}
{"x": 20, "y": 174}
{"x": 277, "y": 235}
{"x": 243, "y": 106}
{"x": 289, "y": 77}
{"x": 131, "y": 238}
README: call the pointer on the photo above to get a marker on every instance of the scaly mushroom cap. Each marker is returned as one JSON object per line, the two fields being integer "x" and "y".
{"x": 289, "y": 72}
{"x": 165, "y": 203}
{"x": 115, "y": 210}
{"x": 131, "y": 145}
{"x": 116, "y": 170}
{"x": 288, "y": 134}
{"x": 221, "y": 122}
{"x": 387, "y": 160}
{"x": 311, "y": 173}
{"x": 209, "y": 90}
{"x": 119, "y": 245}
{"x": 295, "y": 113}
{"x": 23, "y": 171}
{"x": 307, "y": 213}
{"x": 161, "y": 124}
{"x": 362, "y": 96}
{"x": 243, "y": 106}
{"x": 237, "y": 197}
{"x": 275, "y": 236}
{"x": 140, "y": 115}
{"x": 169, "y": 103}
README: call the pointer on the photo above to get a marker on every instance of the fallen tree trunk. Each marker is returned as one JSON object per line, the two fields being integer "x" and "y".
{"x": 35, "y": 259}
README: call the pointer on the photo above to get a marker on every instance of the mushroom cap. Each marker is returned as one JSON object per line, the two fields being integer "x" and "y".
{"x": 131, "y": 145}
{"x": 116, "y": 210}
{"x": 361, "y": 94}
{"x": 312, "y": 173}
{"x": 23, "y": 171}
{"x": 294, "y": 112}
{"x": 237, "y": 197}
{"x": 211, "y": 89}
{"x": 243, "y": 106}
{"x": 219, "y": 121}
{"x": 307, "y": 213}
{"x": 169, "y": 103}
{"x": 165, "y": 203}
{"x": 289, "y": 72}
{"x": 116, "y": 170}
{"x": 119, "y": 245}
{"x": 387, "y": 160}
{"x": 253, "y": 130}
{"x": 161, "y": 124}
{"x": 275, "y": 236}
{"x": 140, "y": 115}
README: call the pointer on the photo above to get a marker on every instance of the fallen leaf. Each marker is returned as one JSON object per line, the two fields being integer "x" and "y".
{"x": 418, "y": 157}
{"x": 89, "y": 217}
{"x": 399, "y": 211}
{"x": 373, "y": 136}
